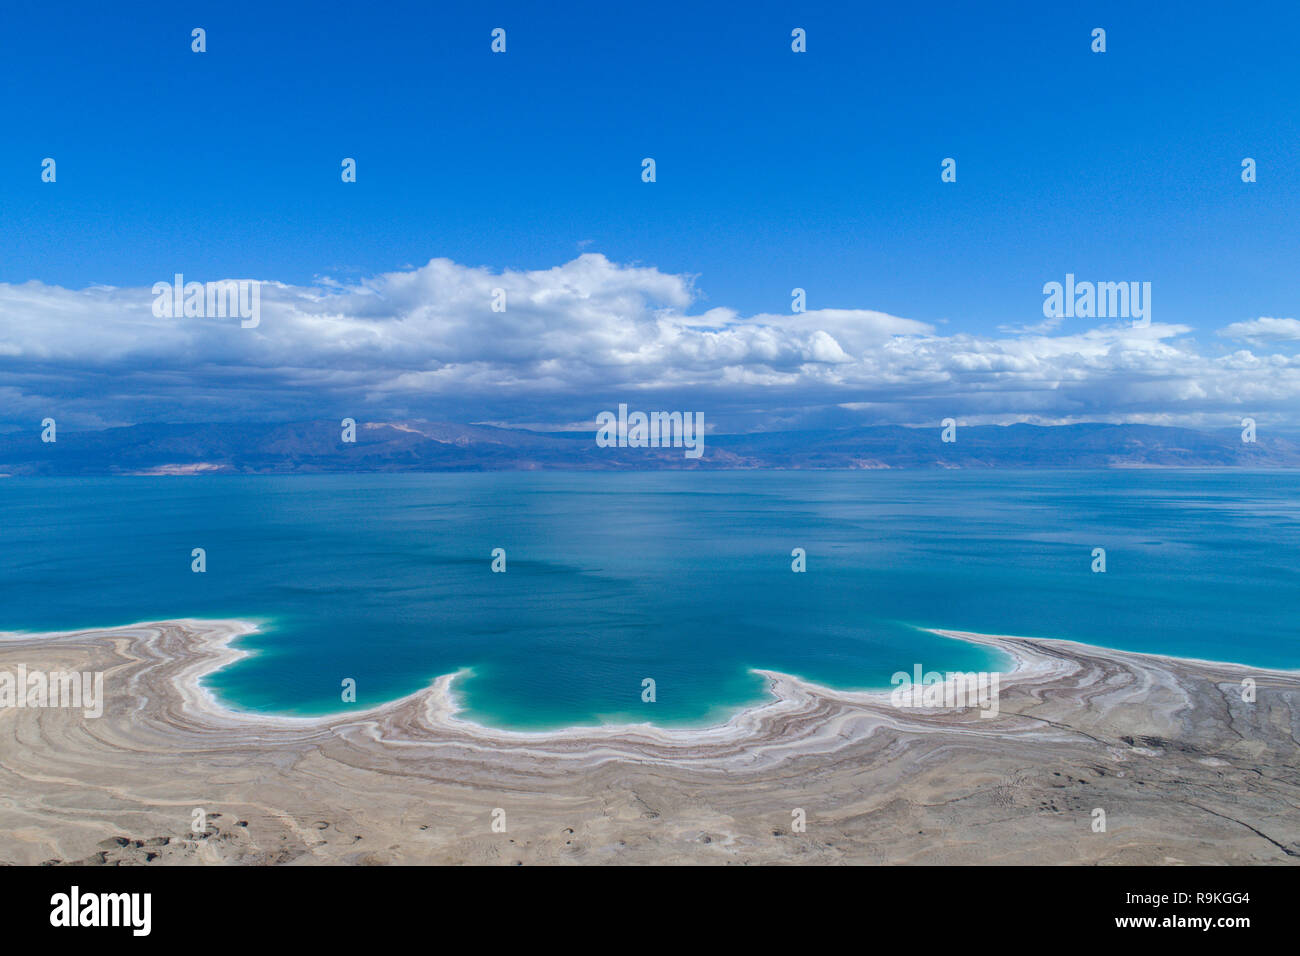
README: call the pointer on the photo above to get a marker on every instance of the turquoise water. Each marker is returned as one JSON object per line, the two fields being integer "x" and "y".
{"x": 682, "y": 577}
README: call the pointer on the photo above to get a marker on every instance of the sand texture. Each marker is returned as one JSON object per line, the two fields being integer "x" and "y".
{"x": 1185, "y": 770}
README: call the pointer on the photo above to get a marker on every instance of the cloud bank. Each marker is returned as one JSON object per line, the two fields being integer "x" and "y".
{"x": 580, "y": 337}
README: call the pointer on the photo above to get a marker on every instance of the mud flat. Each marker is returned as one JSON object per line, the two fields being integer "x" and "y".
{"x": 1184, "y": 769}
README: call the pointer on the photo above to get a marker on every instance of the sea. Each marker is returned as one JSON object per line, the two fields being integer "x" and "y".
{"x": 687, "y": 579}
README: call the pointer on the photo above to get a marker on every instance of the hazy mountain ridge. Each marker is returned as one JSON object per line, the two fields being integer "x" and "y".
{"x": 317, "y": 447}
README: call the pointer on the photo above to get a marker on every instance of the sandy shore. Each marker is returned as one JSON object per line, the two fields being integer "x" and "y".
{"x": 1185, "y": 771}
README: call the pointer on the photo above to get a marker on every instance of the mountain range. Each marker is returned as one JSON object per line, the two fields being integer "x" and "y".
{"x": 414, "y": 446}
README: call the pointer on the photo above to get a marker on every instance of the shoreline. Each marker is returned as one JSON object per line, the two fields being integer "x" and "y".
{"x": 1189, "y": 772}
{"x": 448, "y": 703}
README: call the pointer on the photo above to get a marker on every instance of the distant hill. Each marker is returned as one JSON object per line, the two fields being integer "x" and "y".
{"x": 316, "y": 447}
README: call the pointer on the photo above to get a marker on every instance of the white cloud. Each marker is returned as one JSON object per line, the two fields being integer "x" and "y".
{"x": 425, "y": 342}
{"x": 1263, "y": 329}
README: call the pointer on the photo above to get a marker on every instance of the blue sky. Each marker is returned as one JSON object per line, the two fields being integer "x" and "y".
{"x": 775, "y": 170}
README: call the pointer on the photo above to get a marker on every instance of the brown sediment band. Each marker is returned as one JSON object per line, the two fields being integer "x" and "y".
{"x": 1075, "y": 723}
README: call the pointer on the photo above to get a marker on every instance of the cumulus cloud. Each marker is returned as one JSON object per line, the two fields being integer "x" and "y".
{"x": 426, "y": 343}
{"x": 1263, "y": 329}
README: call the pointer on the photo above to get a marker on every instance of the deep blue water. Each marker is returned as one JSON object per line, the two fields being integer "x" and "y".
{"x": 682, "y": 577}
